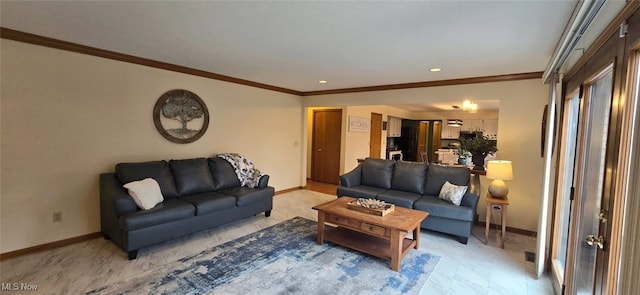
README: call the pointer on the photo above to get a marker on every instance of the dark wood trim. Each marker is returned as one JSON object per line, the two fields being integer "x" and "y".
{"x": 486, "y": 79}
{"x": 479, "y": 172}
{"x": 514, "y": 230}
{"x": 19, "y": 36}
{"x": 78, "y": 48}
{"x": 613, "y": 27}
{"x": 293, "y": 189}
{"x": 50, "y": 246}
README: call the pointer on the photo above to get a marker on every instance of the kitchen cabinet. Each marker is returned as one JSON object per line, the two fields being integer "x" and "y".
{"x": 394, "y": 127}
{"x": 473, "y": 125}
{"x": 491, "y": 128}
{"x": 488, "y": 127}
{"x": 449, "y": 132}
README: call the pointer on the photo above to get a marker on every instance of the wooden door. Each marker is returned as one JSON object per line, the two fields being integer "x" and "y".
{"x": 326, "y": 139}
{"x": 422, "y": 140}
{"x": 375, "y": 136}
{"x": 435, "y": 140}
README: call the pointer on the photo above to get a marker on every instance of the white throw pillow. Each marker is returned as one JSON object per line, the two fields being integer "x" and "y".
{"x": 452, "y": 193}
{"x": 146, "y": 193}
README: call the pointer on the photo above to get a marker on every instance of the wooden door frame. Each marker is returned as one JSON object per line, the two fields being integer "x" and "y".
{"x": 626, "y": 274}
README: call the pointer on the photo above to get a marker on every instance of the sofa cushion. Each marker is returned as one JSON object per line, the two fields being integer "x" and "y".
{"x": 377, "y": 172}
{"x": 360, "y": 191}
{"x": 158, "y": 170}
{"x": 146, "y": 193}
{"x": 245, "y": 195}
{"x": 438, "y": 175}
{"x": 167, "y": 211}
{"x": 223, "y": 174}
{"x": 440, "y": 208}
{"x": 409, "y": 177}
{"x": 191, "y": 176}
{"x": 399, "y": 198}
{"x": 209, "y": 202}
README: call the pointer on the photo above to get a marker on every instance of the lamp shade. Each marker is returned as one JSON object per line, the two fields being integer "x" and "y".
{"x": 499, "y": 169}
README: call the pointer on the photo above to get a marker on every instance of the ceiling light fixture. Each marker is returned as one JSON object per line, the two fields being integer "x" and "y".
{"x": 435, "y": 69}
{"x": 454, "y": 123}
{"x": 322, "y": 82}
{"x": 474, "y": 108}
{"x": 469, "y": 106}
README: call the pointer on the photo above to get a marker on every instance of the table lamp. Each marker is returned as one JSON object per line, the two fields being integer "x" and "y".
{"x": 499, "y": 170}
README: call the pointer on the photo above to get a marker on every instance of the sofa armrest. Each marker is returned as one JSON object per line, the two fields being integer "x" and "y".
{"x": 113, "y": 197}
{"x": 114, "y": 201}
{"x": 263, "y": 181}
{"x": 351, "y": 178}
{"x": 470, "y": 200}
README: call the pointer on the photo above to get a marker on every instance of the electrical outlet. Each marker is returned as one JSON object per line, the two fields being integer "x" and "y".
{"x": 57, "y": 216}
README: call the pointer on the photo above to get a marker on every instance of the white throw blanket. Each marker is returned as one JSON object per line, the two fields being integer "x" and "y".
{"x": 247, "y": 174}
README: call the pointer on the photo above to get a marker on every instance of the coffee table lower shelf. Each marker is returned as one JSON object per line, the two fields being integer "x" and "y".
{"x": 364, "y": 243}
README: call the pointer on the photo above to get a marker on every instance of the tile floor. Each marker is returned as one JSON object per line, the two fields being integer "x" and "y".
{"x": 474, "y": 268}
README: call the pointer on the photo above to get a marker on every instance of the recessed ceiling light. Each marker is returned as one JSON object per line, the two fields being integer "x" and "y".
{"x": 435, "y": 69}
{"x": 322, "y": 82}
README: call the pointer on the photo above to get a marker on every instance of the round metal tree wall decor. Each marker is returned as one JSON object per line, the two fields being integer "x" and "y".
{"x": 181, "y": 116}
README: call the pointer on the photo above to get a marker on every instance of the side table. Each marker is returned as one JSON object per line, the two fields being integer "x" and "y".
{"x": 498, "y": 202}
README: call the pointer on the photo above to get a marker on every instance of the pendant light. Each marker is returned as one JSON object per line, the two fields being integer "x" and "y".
{"x": 454, "y": 123}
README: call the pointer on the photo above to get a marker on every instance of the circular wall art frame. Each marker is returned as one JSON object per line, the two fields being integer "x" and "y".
{"x": 181, "y": 116}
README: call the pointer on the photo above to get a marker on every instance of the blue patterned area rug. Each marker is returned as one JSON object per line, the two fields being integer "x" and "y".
{"x": 281, "y": 259}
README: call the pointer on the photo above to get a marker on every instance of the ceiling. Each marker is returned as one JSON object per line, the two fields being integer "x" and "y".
{"x": 294, "y": 44}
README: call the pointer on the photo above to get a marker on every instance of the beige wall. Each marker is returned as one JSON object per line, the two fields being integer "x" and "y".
{"x": 520, "y": 115}
{"x": 67, "y": 117}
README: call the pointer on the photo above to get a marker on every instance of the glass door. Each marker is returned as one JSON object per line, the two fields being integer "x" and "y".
{"x": 565, "y": 184}
{"x": 587, "y": 228}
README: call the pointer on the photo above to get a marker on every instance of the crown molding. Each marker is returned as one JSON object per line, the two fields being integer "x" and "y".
{"x": 78, "y": 48}
{"x": 485, "y": 79}
{"x": 19, "y": 36}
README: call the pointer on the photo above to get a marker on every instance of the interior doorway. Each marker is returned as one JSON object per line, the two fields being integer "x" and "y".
{"x": 423, "y": 129}
{"x": 375, "y": 137}
{"x": 325, "y": 145}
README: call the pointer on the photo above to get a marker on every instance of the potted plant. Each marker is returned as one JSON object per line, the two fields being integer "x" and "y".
{"x": 479, "y": 147}
{"x": 463, "y": 156}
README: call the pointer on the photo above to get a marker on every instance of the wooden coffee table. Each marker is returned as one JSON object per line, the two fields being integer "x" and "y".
{"x": 380, "y": 236}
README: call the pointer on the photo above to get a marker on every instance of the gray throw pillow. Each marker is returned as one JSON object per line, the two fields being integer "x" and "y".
{"x": 452, "y": 193}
